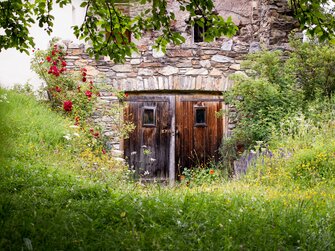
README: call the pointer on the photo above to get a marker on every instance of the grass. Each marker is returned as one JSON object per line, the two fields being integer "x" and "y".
{"x": 51, "y": 199}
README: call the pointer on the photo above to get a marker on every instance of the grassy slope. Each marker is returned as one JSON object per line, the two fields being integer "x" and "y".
{"x": 48, "y": 203}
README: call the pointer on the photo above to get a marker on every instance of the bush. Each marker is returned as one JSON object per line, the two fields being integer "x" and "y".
{"x": 278, "y": 88}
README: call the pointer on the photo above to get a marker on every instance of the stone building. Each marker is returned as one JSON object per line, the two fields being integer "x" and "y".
{"x": 173, "y": 97}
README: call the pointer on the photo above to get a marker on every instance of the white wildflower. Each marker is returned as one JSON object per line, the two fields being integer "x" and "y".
{"x": 76, "y": 134}
{"x": 146, "y": 172}
{"x": 67, "y": 137}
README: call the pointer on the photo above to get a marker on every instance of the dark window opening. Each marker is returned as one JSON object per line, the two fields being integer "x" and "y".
{"x": 122, "y": 38}
{"x": 200, "y": 116}
{"x": 198, "y": 33}
{"x": 149, "y": 116}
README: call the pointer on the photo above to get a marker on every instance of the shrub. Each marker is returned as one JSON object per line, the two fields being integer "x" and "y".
{"x": 71, "y": 93}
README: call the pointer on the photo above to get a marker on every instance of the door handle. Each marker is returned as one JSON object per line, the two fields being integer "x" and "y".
{"x": 163, "y": 131}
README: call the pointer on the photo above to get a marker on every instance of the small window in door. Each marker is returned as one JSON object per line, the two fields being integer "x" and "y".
{"x": 149, "y": 117}
{"x": 200, "y": 116}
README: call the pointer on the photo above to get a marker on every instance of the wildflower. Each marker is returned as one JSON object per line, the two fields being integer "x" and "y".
{"x": 76, "y": 134}
{"x": 67, "y": 137}
{"x": 67, "y": 105}
{"x": 211, "y": 171}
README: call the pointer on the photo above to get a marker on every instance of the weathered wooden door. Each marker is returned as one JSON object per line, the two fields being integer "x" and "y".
{"x": 148, "y": 148}
{"x": 172, "y": 132}
{"x": 199, "y": 130}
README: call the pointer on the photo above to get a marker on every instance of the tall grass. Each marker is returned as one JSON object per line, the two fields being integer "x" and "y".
{"x": 50, "y": 200}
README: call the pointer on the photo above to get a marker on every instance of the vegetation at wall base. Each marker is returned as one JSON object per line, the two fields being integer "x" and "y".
{"x": 278, "y": 88}
{"x": 52, "y": 198}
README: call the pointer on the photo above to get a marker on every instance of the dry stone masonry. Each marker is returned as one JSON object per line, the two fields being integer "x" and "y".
{"x": 192, "y": 66}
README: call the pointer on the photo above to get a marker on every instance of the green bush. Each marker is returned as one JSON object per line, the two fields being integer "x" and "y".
{"x": 280, "y": 87}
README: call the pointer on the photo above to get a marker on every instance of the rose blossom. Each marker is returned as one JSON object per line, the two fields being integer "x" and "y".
{"x": 67, "y": 105}
{"x": 88, "y": 94}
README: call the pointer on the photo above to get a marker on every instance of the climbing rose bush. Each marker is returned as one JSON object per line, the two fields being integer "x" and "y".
{"x": 70, "y": 92}
{"x": 73, "y": 93}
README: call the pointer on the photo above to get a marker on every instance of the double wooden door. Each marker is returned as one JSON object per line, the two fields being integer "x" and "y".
{"x": 172, "y": 132}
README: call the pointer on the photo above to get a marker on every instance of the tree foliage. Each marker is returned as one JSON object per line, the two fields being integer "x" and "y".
{"x": 104, "y": 17}
{"x": 316, "y": 17}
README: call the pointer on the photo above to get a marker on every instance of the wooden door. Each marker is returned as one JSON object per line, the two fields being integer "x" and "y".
{"x": 148, "y": 148}
{"x": 199, "y": 131}
{"x": 172, "y": 132}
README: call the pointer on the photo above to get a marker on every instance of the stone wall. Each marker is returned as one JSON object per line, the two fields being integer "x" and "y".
{"x": 192, "y": 66}
{"x": 195, "y": 66}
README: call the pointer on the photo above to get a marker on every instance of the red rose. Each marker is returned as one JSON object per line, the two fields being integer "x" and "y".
{"x": 103, "y": 151}
{"x": 54, "y": 70}
{"x": 126, "y": 95}
{"x": 83, "y": 69}
{"x": 88, "y": 94}
{"x": 96, "y": 135}
{"x": 63, "y": 63}
{"x": 91, "y": 130}
{"x": 48, "y": 58}
{"x": 84, "y": 74}
{"x": 84, "y": 79}
{"x": 78, "y": 87}
{"x": 67, "y": 105}
{"x": 58, "y": 89}
{"x": 53, "y": 53}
